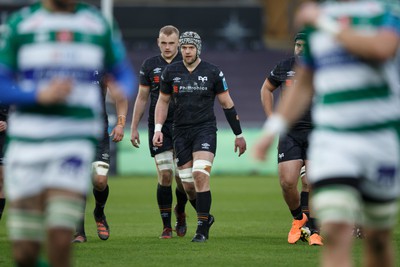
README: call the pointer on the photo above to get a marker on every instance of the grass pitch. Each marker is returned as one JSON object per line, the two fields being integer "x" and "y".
{"x": 251, "y": 226}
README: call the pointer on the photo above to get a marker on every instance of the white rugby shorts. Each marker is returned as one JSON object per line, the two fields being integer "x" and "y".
{"x": 30, "y": 168}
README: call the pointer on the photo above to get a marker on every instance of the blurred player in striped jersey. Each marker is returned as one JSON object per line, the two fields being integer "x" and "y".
{"x": 54, "y": 47}
{"x": 349, "y": 70}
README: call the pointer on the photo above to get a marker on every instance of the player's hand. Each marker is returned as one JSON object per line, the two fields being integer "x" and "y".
{"x": 117, "y": 133}
{"x": 57, "y": 91}
{"x": 307, "y": 14}
{"x": 261, "y": 146}
{"x": 158, "y": 139}
{"x": 135, "y": 140}
{"x": 3, "y": 126}
{"x": 240, "y": 145}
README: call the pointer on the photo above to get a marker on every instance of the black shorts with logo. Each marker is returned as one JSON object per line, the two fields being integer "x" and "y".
{"x": 167, "y": 141}
{"x": 103, "y": 148}
{"x": 293, "y": 146}
{"x": 194, "y": 139}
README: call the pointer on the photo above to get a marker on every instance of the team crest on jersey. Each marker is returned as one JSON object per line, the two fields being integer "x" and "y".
{"x": 203, "y": 79}
{"x": 156, "y": 79}
{"x": 176, "y": 89}
{"x": 65, "y": 36}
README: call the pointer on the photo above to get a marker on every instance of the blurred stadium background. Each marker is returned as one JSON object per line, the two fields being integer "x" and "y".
{"x": 245, "y": 38}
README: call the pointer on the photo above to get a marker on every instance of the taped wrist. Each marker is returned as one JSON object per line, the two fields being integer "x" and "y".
{"x": 121, "y": 120}
{"x": 233, "y": 120}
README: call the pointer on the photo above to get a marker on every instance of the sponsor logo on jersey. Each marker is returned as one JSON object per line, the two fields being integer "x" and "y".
{"x": 205, "y": 146}
{"x": 177, "y": 79}
{"x": 157, "y": 70}
{"x": 203, "y": 79}
{"x": 281, "y": 155}
{"x": 155, "y": 148}
{"x": 191, "y": 88}
{"x": 291, "y": 73}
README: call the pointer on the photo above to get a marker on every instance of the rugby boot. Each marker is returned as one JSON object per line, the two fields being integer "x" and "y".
{"x": 295, "y": 232}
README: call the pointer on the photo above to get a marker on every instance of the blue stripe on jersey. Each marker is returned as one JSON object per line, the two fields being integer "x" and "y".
{"x": 77, "y": 74}
{"x": 334, "y": 58}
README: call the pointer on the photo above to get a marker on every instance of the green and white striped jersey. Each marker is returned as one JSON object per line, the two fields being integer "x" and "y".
{"x": 38, "y": 45}
{"x": 351, "y": 93}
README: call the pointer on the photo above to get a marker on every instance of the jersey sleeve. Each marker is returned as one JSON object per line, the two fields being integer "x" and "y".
{"x": 273, "y": 76}
{"x": 144, "y": 78}
{"x": 166, "y": 82}
{"x": 220, "y": 82}
{"x": 11, "y": 93}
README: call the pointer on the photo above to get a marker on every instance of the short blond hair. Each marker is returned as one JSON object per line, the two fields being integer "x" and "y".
{"x": 169, "y": 29}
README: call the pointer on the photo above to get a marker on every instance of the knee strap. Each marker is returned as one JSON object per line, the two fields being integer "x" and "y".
{"x": 100, "y": 168}
{"x": 203, "y": 166}
{"x": 165, "y": 160}
{"x": 25, "y": 225}
{"x": 186, "y": 175}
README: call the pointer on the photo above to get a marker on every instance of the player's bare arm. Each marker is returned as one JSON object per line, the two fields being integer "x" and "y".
{"x": 267, "y": 98}
{"x": 138, "y": 111}
{"x": 288, "y": 111}
{"x": 3, "y": 126}
{"x": 160, "y": 117}
{"x": 121, "y": 107}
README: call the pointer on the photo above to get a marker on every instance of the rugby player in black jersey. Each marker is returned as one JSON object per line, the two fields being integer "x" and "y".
{"x": 3, "y": 127}
{"x": 150, "y": 74}
{"x": 292, "y": 149}
{"x": 100, "y": 166}
{"x": 192, "y": 85}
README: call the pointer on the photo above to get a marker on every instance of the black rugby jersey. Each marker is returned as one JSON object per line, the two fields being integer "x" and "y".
{"x": 150, "y": 74}
{"x": 282, "y": 75}
{"x": 193, "y": 93}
